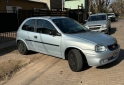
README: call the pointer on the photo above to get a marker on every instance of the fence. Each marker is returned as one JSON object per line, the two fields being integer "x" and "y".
{"x": 23, "y": 14}
{"x": 8, "y": 26}
{"x": 9, "y": 22}
{"x": 7, "y": 36}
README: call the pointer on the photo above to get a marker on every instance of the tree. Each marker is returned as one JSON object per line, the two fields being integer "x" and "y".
{"x": 117, "y": 6}
{"x": 90, "y": 4}
{"x": 99, "y": 5}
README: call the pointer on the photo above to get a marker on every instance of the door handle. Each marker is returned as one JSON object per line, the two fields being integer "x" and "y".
{"x": 35, "y": 36}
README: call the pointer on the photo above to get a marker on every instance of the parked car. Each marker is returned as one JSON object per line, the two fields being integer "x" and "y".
{"x": 112, "y": 16}
{"x": 67, "y": 39}
{"x": 99, "y": 22}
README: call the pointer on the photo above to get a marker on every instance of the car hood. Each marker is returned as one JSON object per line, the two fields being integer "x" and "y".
{"x": 90, "y": 23}
{"x": 95, "y": 37}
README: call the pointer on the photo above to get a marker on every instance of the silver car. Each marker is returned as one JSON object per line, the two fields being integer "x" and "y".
{"x": 67, "y": 39}
{"x": 99, "y": 22}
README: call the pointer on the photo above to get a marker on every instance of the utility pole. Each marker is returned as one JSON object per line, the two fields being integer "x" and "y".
{"x": 79, "y": 11}
{"x": 62, "y": 4}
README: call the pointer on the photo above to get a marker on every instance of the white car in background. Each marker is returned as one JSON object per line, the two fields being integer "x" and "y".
{"x": 111, "y": 16}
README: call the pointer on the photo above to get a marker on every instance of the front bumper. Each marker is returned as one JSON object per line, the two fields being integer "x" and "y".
{"x": 102, "y": 58}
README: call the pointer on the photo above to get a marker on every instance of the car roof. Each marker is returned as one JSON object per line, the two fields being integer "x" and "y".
{"x": 47, "y": 17}
{"x": 98, "y": 14}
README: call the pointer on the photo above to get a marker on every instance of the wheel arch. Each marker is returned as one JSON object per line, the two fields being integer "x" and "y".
{"x": 23, "y": 42}
{"x": 69, "y": 48}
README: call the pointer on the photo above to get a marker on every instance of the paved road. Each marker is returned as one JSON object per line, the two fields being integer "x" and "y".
{"x": 54, "y": 71}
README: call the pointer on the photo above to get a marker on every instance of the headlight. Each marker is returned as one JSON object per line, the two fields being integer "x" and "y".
{"x": 100, "y": 48}
{"x": 104, "y": 25}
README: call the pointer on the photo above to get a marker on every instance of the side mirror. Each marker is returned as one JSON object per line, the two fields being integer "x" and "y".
{"x": 55, "y": 33}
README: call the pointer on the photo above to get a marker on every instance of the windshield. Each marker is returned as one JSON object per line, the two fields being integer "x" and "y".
{"x": 110, "y": 14}
{"x": 67, "y": 25}
{"x": 97, "y": 18}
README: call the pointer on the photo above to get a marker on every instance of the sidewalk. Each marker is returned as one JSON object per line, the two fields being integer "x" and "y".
{"x": 7, "y": 44}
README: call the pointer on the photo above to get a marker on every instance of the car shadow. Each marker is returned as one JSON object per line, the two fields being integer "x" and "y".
{"x": 116, "y": 62}
{"x": 10, "y": 49}
{"x": 86, "y": 67}
{"x": 113, "y": 30}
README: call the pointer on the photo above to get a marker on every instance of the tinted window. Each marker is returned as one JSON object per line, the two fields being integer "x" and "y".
{"x": 29, "y": 25}
{"x": 44, "y": 26}
{"x": 110, "y": 14}
{"x": 67, "y": 25}
{"x": 97, "y": 17}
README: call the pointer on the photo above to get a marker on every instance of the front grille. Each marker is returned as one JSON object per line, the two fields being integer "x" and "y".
{"x": 96, "y": 28}
{"x": 94, "y": 25}
{"x": 113, "y": 47}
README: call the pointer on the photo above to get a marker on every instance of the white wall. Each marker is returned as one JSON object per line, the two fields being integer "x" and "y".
{"x": 73, "y": 4}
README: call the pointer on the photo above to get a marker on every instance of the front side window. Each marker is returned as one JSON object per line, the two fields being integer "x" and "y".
{"x": 44, "y": 26}
{"x": 29, "y": 25}
{"x": 110, "y": 14}
{"x": 67, "y": 25}
{"x": 97, "y": 18}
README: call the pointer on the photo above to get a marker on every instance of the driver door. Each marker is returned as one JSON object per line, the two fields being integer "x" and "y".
{"x": 51, "y": 43}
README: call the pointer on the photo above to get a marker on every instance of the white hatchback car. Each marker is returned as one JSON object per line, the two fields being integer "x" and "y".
{"x": 65, "y": 38}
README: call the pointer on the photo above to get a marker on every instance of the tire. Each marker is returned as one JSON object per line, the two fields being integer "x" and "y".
{"x": 109, "y": 29}
{"x": 22, "y": 48}
{"x": 75, "y": 60}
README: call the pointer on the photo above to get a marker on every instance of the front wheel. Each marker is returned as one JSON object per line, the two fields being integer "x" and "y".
{"x": 75, "y": 60}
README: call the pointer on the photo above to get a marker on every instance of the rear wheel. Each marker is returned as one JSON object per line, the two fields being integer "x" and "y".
{"x": 75, "y": 60}
{"x": 22, "y": 48}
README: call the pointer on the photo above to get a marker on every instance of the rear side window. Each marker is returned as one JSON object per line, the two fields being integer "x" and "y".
{"x": 29, "y": 25}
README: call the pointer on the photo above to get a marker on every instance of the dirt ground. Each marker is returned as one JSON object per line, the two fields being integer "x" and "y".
{"x": 48, "y": 70}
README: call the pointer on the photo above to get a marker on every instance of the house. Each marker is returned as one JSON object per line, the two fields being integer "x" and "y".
{"x": 14, "y": 5}
{"x": 54, "y": 5}
{"x": 73, "y": 4}
{"x": 43, "y": 1}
